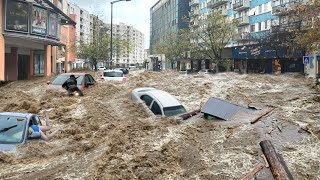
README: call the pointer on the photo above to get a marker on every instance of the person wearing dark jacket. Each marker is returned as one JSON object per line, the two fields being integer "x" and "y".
{"x": 71, "y": 85}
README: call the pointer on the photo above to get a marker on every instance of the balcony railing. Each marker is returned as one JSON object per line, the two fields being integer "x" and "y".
{"x": 244, "y": 20}
{"x": 243, "y": 36}
{"x": 239, "y": 5}
{"x": 194, "y": 13}
{"x": 215, "y": 3}
{"x": 194, "y": 2}
{"x": 282, "y": 9}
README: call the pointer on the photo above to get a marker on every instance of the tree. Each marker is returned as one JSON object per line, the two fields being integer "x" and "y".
{"x": 174, "y": 46}
{"x": 209, "y": 38}
{"x": 99, "y": 49}
{"x": 95, "y": 51}
{"x": 309, "y": 34}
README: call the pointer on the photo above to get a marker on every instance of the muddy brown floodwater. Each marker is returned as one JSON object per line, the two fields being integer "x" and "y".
{"x": 107, "y": 136}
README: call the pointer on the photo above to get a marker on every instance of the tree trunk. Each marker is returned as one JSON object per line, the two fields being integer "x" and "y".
{"x": 278, "y": 168}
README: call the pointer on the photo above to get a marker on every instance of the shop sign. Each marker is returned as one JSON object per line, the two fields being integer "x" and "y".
{"x": 39, "y": 20}
{"x": 17, "y": 16}
{"x": 53, "y": 24}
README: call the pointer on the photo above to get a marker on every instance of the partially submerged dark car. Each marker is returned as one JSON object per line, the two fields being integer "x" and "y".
{"x": 14, "y": 129}
{"x": 84, "y": 81}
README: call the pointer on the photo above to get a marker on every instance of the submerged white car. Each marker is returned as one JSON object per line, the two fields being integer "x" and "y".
{"x": 158, "y": 101}
{"x": 113, "y": 75}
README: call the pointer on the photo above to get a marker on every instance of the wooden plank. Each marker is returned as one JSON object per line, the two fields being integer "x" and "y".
{"x": 266, "y": 114}
{"x": 256, "y": 169}
{"x": 278, "y": 168}
{"x": 190, "y": 114}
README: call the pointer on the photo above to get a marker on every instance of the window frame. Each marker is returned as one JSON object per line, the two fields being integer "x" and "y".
{"x": 151, "y": 106}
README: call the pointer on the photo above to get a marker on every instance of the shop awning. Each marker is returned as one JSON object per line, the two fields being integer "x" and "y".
{"x": 33, "y": 38}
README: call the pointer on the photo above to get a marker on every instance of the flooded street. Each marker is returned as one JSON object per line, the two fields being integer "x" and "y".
{"x": 107, "y": 136}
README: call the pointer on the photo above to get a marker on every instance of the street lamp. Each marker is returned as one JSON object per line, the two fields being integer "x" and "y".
{"x": 112, "y": 28}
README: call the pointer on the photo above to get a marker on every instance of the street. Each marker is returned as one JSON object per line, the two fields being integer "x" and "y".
{"x": 107, "y": 136}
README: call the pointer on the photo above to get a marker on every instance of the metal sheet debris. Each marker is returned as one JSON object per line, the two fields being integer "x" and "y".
{"x": 223, "y": 109}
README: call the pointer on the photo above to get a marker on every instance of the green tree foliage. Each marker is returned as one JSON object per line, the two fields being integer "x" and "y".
{"x": 174, "y": 46}
{"x": 210, "y": 37}
{"x": 309, "y": 30}
{"x": 99, "y": 49}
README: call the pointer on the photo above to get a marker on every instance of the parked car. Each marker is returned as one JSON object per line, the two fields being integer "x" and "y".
{"x": 158, "y": 101}
{"x": 113, "y": 75}
{"x": 206, "y": 71}
{"x": 14, "y": 128}
{"x": 101, "y": 68}
{"x": 124, "y": 70}
{"x": 83, "y": 81}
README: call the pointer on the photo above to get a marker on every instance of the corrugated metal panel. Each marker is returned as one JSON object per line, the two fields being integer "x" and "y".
{"x": 223, "y": 109}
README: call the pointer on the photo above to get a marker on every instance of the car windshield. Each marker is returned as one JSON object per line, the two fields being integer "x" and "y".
{"x": 174, "y": 110}
{"x": 12, "y": 129}
{"x": 113, "y": 74}
{"x": 62, "y": 78}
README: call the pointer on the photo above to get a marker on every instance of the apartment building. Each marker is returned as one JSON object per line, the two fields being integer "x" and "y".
{"x": 167, "y": 18}
{"x": 134, "y": 56}
{"x": 256, "y": 18}
{"x": 83, "y": 19}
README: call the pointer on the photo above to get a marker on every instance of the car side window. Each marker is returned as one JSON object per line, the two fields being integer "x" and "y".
{"x": 147, "y": 99}
{"x": 91, "y": 78}
{"x": 87, "y": 79}
{"x": 156, "y": 108}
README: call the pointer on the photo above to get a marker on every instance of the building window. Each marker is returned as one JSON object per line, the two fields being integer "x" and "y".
{"x": 259, "y": 26}
{"x": 38, "y": 62}
{"x": 251, "y": 28}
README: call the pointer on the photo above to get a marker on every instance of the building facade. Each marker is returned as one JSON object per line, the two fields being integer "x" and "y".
{"x": 134, "y": 55}
{"x": 256, "y": 18}
{"x": 29, "y": 31}
{"x": 84, "y": 23}
{"x": 166, "y": 18}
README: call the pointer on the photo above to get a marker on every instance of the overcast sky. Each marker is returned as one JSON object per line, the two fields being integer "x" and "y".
{"x": 134, "y": 12}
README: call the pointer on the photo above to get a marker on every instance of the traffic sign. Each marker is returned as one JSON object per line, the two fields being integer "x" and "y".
{"x": 306, "y": 59}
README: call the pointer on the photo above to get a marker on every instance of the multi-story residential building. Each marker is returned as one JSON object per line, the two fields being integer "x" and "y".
{"x": 27, "y": 46}
{"x": 167, "y": 17}
{"x": 255, "y": 20}
{"x": 134, "y": 56}
{"x": 83, "y": 19}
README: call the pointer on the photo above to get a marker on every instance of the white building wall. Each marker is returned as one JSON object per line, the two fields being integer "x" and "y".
{"x": 136, "y": 39}
{"x": 83, "y": 22}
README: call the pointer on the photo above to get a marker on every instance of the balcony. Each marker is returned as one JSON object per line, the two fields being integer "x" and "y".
{"x": 244, "y": 20}
{"x": 283, "y": 8}
{"x": 215, "y": 3}
{"x": 240, "y": 5}
{"x": 194, "y": 3}
{"x": 243, "y": 36}
{"x": 194, "y": 13}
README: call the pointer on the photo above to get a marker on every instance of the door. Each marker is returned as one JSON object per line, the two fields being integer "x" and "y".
{"x": 23, "y": 67}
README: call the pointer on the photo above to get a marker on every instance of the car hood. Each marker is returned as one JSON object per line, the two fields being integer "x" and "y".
{"x": 8, "y": 147}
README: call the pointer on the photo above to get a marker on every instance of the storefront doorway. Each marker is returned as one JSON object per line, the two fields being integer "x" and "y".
{"x": 23, "y": 67}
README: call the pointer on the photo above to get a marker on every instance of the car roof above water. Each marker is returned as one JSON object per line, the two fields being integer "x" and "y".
{"x": 18, "y": 114}
{"x": 164, "y": 98}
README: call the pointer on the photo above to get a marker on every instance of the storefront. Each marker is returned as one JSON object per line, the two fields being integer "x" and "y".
{"x": 30, "y": 31}
{"x": 259, "y": 59}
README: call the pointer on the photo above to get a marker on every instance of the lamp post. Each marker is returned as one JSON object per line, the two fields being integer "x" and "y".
{"x": 112, "y": 2}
